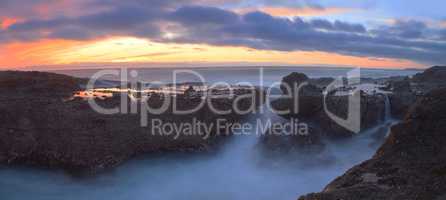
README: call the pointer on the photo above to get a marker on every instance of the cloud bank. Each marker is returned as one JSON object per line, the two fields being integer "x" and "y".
{"x": 185, "y": 21}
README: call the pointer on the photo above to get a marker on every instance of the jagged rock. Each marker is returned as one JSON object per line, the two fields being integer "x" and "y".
{"x": 401, "y": 86}
{"x": 42, "y": 126}
{"x": 407, "y": 91}
{"x": 321, "y": 82}
{"x": 431, "y": 79}
{"x": 189, "y": 91}
{"x": 433, "y": 74}
{"x": 291, "y": 80}
{"x": 299, "y": 82}
{"x": 402, "y": 98}
{"x": 410, "y": 165}
{"x": 39, "y": 84}
{"x": 372, "y": 111}
{"x": 401, "y": 102}
{"x": 309, "y": 109}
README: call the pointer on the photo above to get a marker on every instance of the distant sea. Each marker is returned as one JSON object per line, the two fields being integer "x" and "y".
{"x": 234, "y": 75}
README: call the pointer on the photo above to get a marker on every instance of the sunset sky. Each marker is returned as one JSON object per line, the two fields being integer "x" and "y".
{"x": 91, "y": 33}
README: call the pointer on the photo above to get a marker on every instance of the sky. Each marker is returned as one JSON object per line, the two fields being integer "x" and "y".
{"x": 91, "y": 33}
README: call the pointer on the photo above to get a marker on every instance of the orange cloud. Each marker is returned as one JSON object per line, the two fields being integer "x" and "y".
{"x": 22, "y": 54}
{"x": 290, "y": 12}
{"x": 129, "y": 50}
{"x": 6, "y": 22}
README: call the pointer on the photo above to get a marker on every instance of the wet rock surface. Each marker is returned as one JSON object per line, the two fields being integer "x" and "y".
{"x": 410, "y": 165}
{"x": 402, "y": 98}
{"x": 309, "y": 109}
{"x": 406, "y": 91}
{"x": 436, "y": 74}
{"x": 41, "y": 126}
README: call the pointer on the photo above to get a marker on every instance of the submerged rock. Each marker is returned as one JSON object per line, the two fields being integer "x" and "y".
{"x": 410, "y": 165}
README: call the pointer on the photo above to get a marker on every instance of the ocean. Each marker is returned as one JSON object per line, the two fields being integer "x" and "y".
{"x": 253, "y": 75}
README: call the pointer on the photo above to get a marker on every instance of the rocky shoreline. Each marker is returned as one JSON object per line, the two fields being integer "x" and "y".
{"x": 411, "y": 163}
{"x": 43, "y": 126}
{"x": 311, "y": 111}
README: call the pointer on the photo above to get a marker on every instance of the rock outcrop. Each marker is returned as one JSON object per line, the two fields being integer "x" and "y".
{"x": 309, "y": 109}
{"x": 40, "y": 125}
{"x": 406, "y": 91}
{"x": 436, "y": 74}
{"x": 410, "y": 165}
{"x": 402, "y": 97}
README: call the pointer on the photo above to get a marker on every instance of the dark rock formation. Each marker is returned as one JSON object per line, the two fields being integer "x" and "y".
{"x": 309, "y": 109}
{"x": 299, "y": 83}
{"x": 402, "y": 97}
{"x": 40, "y": 125}
{"x": 321, "y": 82}
{"x": 433, "y": 74}
{"x": 292, "y": 80}
{"x": 431, "y": 79}
{"x": 189, "y": 91}
{"x": 406, "y": 91}
{"x": 410, "y": 165}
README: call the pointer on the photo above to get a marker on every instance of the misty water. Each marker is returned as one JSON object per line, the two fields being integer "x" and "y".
{"x": 238, "y": 171}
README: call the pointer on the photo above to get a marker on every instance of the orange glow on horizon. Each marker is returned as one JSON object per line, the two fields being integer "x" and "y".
{"x": 21, "y": 54}
{"x": 134, "y": 50}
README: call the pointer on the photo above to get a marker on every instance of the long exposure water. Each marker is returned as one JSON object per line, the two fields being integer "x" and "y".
{"x": 237, "y": 172}
{"x": 234, "y": 173}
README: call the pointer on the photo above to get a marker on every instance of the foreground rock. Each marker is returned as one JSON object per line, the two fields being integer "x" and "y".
{"x": 41, "y": 125}
{"x": 410, "y": 165}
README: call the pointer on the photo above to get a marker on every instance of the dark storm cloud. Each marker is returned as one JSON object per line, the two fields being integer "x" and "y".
{"x": 262, "y": 31}
{"x": 71, "y": 33}
{"x": 405, "y": 29}
{"x": 411, "y": 40}
{"x": 13, "y": 8}
{"x": 315, "y": 4}
{"x": 122, "y": 21}
{"x": 117, "y": 19}
{"x": 191, "y": 15}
